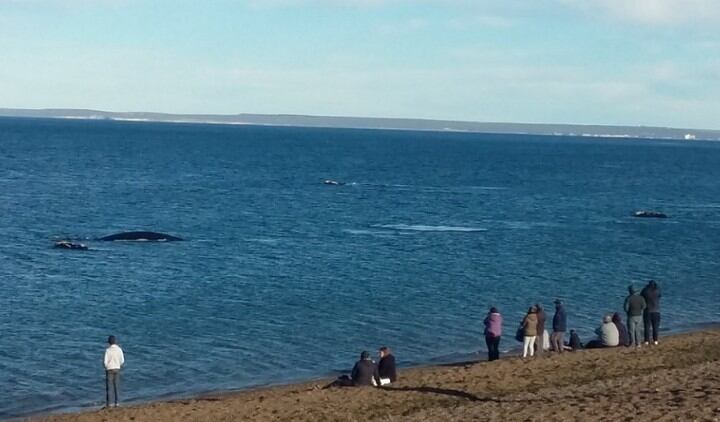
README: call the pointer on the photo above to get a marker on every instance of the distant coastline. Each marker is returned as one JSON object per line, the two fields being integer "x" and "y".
{"x": 600, "y": 131}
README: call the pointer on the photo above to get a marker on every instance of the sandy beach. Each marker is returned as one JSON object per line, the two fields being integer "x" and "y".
{"x": 679, "y": 379}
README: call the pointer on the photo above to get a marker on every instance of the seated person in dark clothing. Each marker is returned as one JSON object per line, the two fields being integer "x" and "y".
{"x": 623, "y": 336}
{"x": 386, "y": 366}
{"x": 365, "y": 372}
{"x": 575, "y": 343}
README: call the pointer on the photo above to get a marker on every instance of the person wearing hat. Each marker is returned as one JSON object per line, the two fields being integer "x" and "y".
{"x": 608, "y": 335}
{"x": 634, "y": 307}
{"x": 557, "y": 340}
{"x": 365, "y": 372}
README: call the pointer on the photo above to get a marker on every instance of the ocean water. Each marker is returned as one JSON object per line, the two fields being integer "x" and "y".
{"x": 283, "y": 278}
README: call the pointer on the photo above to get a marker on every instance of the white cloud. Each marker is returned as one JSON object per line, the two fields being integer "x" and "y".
{"x": 665, "y": 12}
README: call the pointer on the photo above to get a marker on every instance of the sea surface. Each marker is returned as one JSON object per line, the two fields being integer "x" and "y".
{"x": 283, "y": 278}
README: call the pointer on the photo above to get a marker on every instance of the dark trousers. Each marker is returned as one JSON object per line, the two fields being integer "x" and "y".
{"x": 651, "y": 321}
{"x": 112, "y": 383}
{"x": 493, "y": 345}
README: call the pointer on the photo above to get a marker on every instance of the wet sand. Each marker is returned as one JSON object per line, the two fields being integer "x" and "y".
{"x": 679, "y": 379}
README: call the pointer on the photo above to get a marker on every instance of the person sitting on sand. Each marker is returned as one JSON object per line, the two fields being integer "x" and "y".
{"x": 608, "y": 335}
{"x": 386, "y": 366}
{"x": 365, "y": 372}
{"x": 493, "y": 332}
{"x": 574, "y": 343}
{"x": 622, "y": 329}
{"x": 529, "y": 326}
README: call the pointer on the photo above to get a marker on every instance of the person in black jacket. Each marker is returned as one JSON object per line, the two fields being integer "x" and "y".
{"x": 386, "y": 366}
{"x": 651, "y": 315}
{"x": 365, "y": 372}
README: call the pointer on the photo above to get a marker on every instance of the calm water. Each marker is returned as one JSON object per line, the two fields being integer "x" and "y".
{"x": 284, "y": 278}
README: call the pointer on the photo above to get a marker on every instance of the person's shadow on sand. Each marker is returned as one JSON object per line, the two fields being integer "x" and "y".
{"x": 443, "y": 391}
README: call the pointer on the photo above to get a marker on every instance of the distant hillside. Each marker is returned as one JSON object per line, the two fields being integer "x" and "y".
{"x": 376, "y": 123}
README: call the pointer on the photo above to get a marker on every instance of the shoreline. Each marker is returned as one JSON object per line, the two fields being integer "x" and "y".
{"x": 303, "y": 400}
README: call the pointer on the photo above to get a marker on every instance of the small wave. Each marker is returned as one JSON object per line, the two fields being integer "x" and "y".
{"x": 355, "y": 231}
{"x": 263, "y": 240}
{"x": 426, "y": 228}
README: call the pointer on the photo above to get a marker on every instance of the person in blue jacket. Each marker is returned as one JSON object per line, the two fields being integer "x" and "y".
{"x": 557, "y": 339}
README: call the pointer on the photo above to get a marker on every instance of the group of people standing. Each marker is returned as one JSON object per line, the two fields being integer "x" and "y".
{"x": 640, "y": 308}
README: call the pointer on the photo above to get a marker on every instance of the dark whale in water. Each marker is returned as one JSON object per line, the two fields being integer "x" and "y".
{"x": 649, "y": 214}
{"x": 66, "y": 244}
{"x": 139, "y": 236}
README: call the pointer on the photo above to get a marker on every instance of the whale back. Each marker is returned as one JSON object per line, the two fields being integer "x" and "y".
{"x": 141, "y": 236}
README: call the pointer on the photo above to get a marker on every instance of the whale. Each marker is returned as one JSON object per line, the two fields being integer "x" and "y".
{"x": 140, "y": 236}
{"x": 66, "y": 244}
{"x": 649, "y": 214}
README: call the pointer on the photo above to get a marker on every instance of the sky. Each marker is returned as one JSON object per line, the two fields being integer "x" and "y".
{"x": 613, "y": 62}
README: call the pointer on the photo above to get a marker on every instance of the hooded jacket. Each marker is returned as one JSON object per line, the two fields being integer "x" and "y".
{"x": 364, "y": 372}
{"x": 608, "y": 334}
{"x": 560, "y": 319}
{"x": 530, "y": 324}
{"x": 635, "y": 305}
{"x": 493, "y": 325}
{"x": 652, "y": 295}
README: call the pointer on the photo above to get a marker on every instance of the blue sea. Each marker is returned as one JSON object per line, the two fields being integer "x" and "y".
{"x": 283, "y": 278}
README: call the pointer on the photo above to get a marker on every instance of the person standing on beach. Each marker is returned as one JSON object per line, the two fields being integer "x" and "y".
{"x": 540, "y": 339}
{"x": 634, "y": 307}
{"x": 114, "y": 360}
{"x": 557, "y": 339}
{"x": 493, "y": 332}
{"x": 651, "y": 316}
{"x": 529, "y": 326}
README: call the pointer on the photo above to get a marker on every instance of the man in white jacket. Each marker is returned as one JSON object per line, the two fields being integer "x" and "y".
{"x": 114, "y": 360}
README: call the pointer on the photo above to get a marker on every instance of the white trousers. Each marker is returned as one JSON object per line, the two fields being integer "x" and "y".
{"x": 528, "y": 343}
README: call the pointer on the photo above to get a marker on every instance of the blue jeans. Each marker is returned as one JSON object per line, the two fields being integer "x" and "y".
{"x": 112, "y": 384}
{"x": 633, "y": 324}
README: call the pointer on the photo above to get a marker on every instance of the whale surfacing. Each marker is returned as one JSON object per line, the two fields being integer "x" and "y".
{"x": 140, "y": 236}
{"x": 649, "y": 214}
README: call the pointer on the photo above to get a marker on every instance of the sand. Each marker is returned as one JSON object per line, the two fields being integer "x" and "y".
{"x": 678, "y": 379}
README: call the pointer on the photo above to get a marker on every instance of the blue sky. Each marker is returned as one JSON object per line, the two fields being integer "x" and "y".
{"x": 641, "y": 62}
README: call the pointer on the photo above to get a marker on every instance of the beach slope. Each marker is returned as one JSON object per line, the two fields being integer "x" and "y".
{"x": 676, "y": 380}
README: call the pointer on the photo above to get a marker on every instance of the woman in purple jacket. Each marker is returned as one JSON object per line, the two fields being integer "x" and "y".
{"x": 493, "y": 332}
